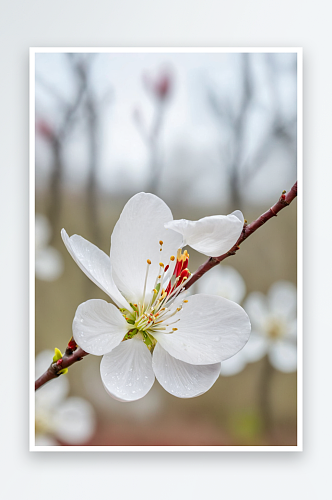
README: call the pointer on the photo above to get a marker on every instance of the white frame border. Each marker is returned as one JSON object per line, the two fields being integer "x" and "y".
{"x": 200, "y": 50}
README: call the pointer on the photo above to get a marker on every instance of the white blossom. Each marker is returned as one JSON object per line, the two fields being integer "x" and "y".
{"x": 48, "y": 261}
{"x": 153, "y": 330}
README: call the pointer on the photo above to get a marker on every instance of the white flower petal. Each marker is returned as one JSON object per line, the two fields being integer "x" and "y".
{"x": 257, "y": 308}
{"x": 256, "y": 347}
{"x": 135, "y": 239}
{"x": 127, "y": 372}
{"x": 95, "y": 264}
{"x": 48, "y": 264}
{"x": 224, "y": 281}
{"x": 52, "y": 393}
{"x": 283, "y": 356}
{"x": 282, "y": 297}
{"x": 233, "y": 365}
{"x": 182, "y": 379}
{"x": 74, "y": 421}
{"x": 211, "y": 329}
{"x": 211, "y": 236}
{"x": 98, "y": 327}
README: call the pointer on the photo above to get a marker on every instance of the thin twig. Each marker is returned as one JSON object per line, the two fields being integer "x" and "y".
{"x": 53, "y": 370}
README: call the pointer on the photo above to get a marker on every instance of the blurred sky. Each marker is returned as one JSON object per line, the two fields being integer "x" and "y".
{"x": 194, "y": 144}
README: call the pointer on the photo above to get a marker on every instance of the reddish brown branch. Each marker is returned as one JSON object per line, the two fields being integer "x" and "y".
{"x": 248, "y": 229}
{"x": 53, "y": 370}
{"x": 71, "y": 357}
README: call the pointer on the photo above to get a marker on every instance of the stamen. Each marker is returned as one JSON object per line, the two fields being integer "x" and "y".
{"x": 145, "y": 282}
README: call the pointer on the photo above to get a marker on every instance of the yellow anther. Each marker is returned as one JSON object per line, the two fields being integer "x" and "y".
{"x": 159, "y": 276}
{"x": 185, "y": 301}
{"x": 148, "y": 261}
{"x": 172, "y": 258}
{"x": 178, "y": 308}
{"x": 161, "y": 242}
{"x": 154, "y": 290}
{"x": 161, "y": 264}
{"x": 174, "y": 329}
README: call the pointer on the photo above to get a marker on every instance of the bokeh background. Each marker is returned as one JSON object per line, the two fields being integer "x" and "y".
{"x": 208, "y": 133}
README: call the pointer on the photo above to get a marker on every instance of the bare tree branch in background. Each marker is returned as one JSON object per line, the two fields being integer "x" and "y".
{"x": 91, "y": 109}
{"x": 85, "y": 101}
{"x": 57, "y": 139}
{"x": 160, "y": 90}
{"x": 241, "y": 171}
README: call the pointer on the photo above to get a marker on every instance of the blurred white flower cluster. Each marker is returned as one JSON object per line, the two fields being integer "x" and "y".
{"x": 272, "y": 316}
{"x": 70, "y": 420}
{"x": 48, "y": 261}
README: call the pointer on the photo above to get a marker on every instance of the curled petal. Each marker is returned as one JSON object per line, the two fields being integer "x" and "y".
{"x": 211, "y": 329}
{"x": 212, "y": 236}
{"x": 135, "y": 239}
{"x": 98, "y": 327}
{"x": 127, "y": 372}
{"x": 95, "y": 264}
{"x": 182, "y": 379}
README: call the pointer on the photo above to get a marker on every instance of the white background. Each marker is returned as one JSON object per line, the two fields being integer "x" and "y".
{"x": 170, "y": 23}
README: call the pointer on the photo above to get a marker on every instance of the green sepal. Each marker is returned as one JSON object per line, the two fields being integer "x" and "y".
{"x": 146, "y": 339}
{"x": 130, "y": 334}
{"x": 57, "y": 355}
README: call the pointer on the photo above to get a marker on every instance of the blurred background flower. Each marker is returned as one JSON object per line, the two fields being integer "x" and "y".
{"x": 48, "y": 260}
{"x": 274, "y": 326}
{"x": 60, "y": 419}
{"x": 209, "y": 133}
{"x": 225, "y": 281}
